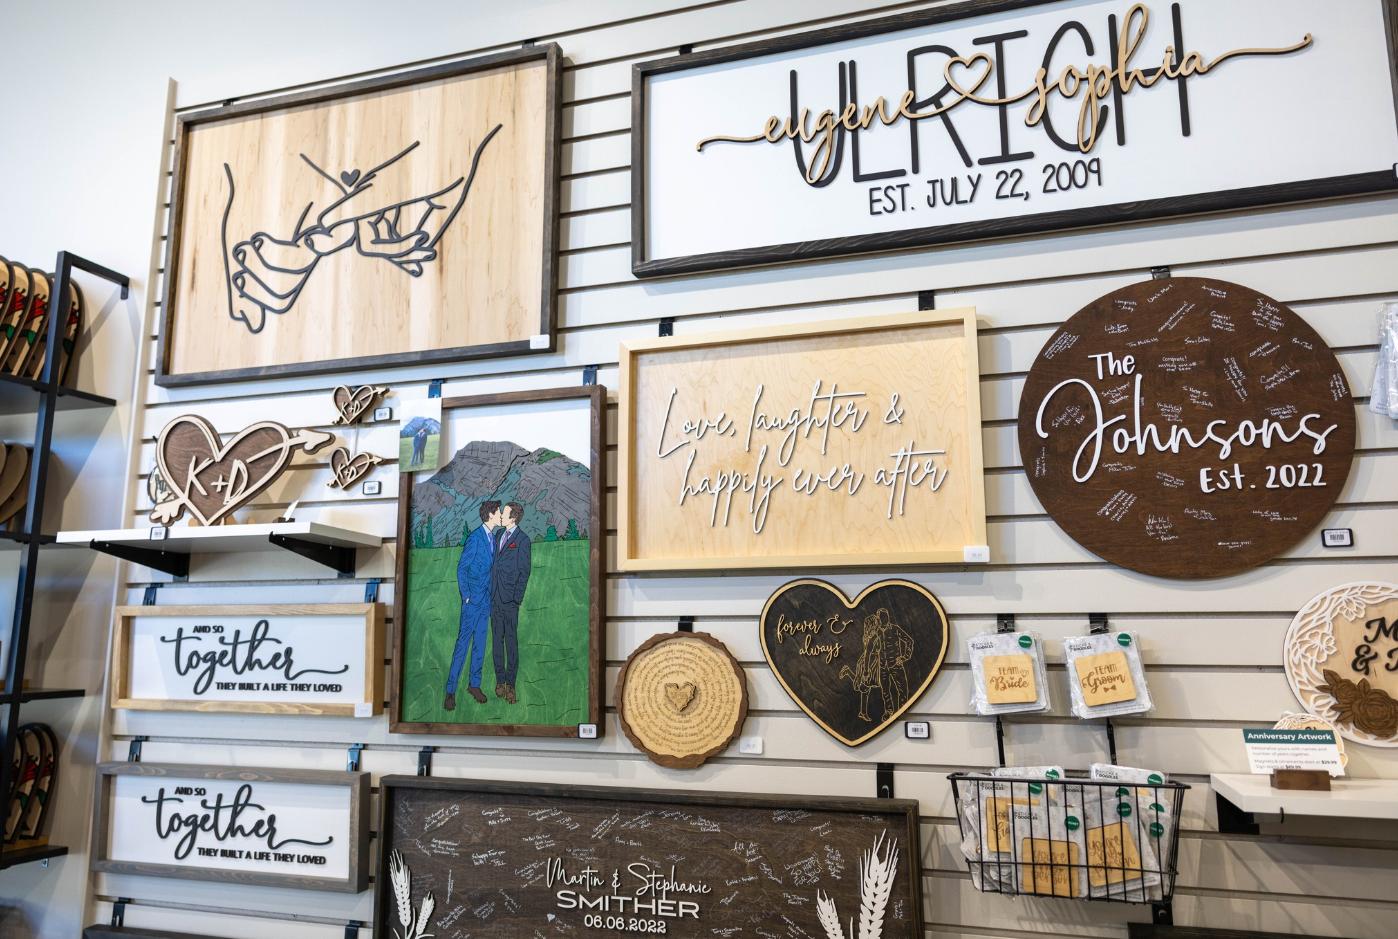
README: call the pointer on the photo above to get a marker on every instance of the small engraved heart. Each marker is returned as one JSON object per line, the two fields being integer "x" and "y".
{"x": 353, "y": 404}
{"x": 348, "y": 470}
{"x": 212, "y": 480}
{"x": 680, "y": 695}
{"x": 349, "y": 179}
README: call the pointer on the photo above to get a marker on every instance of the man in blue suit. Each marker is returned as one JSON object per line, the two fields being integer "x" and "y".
{"x": 473, "y": 577}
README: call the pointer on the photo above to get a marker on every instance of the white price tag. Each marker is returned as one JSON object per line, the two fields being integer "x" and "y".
{"x": 540, "y": 341}
{"x": 363, "y": 709}
{"x": 587, "y": 731}
{"x": 159, "y": 533}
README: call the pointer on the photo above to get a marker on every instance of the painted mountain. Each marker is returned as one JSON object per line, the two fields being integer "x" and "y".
{"x": 554, "y": 490}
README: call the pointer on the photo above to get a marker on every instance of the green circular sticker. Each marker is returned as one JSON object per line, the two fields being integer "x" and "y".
{"x": 1036, "y": 788}
{"x": 1071, "y": 823}
{"x": 1157, "y": 829}
{"x": 1155, "y": 780}
{"x": 1124, "y": 809}
{"x": 1157, "y": 807}
{"x": 1025, "y": 642}
{"x": 1122, "y": 791}
{"x": 1123, "y": 638}
{"x": 1051, "y": 774}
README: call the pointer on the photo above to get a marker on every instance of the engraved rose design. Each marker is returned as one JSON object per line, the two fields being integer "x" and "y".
{"x": 1369, "y": 709}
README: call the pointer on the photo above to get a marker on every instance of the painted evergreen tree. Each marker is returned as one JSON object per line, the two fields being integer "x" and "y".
{"x": 551, "y": 534}
{"x": 572, "y": 533}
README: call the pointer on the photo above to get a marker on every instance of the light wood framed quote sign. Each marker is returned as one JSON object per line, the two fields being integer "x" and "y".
{"x": 841, "y": 444}
{"x": 266, "y": 827}
{"x": 995, "y": 118}
{"x": 393, "y": 221}
{"x": 323, "y": 659}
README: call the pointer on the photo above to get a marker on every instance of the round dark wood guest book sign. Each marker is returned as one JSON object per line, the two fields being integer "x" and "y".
{"x": 1186, "y": 427}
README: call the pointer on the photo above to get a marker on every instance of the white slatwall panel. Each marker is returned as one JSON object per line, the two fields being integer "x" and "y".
{"x": 1213, "y": 648}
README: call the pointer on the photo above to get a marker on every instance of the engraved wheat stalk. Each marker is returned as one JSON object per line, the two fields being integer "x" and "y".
{"x": 875, "y": 884}
{"x": 402, "y": 879}
{"x": 876, "y": 873}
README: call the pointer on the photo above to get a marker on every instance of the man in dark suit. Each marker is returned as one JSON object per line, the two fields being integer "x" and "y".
{"x": 508, "y": 580}
{"x": 473, "y": 579}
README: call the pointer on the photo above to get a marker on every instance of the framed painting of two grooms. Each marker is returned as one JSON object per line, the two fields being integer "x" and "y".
{"x": 498, "y": 609}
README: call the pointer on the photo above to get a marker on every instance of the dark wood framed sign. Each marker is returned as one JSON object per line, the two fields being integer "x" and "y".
{"x": 393, "y": 221}
{"x": 520, "y": 860}
{"x": 995, "y": 118}
{"x": 498, "y": 613}
{"x": 1186, "y": 427}
{"x": 854, "y": 666}
{"x": 265, "y": 827}
{"x": 318, "y": 659}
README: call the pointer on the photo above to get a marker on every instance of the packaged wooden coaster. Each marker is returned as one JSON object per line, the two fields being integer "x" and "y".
{"x": 1105, "y": 675}
{"x": 1007, "y": 673}
{"x": 1052, "y": 851}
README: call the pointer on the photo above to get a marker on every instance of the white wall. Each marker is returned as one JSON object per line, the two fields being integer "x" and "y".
{"x": 1213, "y": 648}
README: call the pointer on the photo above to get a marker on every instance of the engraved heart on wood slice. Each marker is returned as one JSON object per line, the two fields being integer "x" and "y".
{"x": 353, "y": 404}
{"x": 212, "y": 480}
{"x": 854, "y": 667}
{"x": 680, "y": 695}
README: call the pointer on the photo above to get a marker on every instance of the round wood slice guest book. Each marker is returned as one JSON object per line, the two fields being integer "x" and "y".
{"x": 681, "y": 698}
{"x": 1186, "y": 427}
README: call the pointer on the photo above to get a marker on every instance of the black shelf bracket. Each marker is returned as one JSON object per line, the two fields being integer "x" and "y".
{"x": 352, "y": 763}
{"x": 352, "y": 927}
{"x": 133, "y": 752}
{"x": 371, "y": 590}
{"x": 1159, "y": 273}
{"x": 686, "y": 624}
{"x": 927, "y": 299}
{"x": 1096, "y": 624}
{"x": 590, "y": 375}
{"x": 336, "y": 558}
{"x": 119, "y": 911}
{"x": 176, "y": 565}
{"x": 424, "y": 761}
{"x": 1233, "y": 820}
{"x": 667, "y": 326}
{"x": 1162, "y": 914}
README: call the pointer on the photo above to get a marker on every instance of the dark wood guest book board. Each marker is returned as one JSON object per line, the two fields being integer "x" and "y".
{"x": 504, "y": 860}
{"x": 1186, "y": 427}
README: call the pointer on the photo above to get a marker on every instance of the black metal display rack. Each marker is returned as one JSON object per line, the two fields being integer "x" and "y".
{"x": 44, "y": 398}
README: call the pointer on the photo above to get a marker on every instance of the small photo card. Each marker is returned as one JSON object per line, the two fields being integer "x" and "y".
{"x": 419, "y": 434}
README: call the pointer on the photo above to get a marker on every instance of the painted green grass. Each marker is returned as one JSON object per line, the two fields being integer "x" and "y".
{"x": 552, "y": 685}
{"x": 429, "y": 452}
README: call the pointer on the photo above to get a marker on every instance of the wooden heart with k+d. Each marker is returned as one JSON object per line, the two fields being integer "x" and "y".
{"x": 854, "y": 666}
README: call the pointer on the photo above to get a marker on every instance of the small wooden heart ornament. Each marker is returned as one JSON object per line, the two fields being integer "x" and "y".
{"x": 854, "y": 667}
{"x": 353, "y": 404}
{"x": 347, "y": 469}
{"x": 680, "y": 695}
{"x": 212, "y": 479}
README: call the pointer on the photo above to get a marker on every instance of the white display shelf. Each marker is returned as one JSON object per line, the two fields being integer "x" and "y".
{"x": 1348, "y": 798}
{"x": 325, "y": 544}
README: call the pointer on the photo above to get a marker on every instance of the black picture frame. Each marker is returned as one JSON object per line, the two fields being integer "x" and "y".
{"x": 548, "y": 52}
{"x": 933, "y": 236}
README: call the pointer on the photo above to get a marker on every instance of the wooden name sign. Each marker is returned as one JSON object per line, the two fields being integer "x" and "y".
{"x": 1186, "y": 427}
{"x": 397, "y": 220}
{"x": 854, "y": 667}
{"x": 267, "y": 827}
{"x": 503, "y": 860}
{"x": 991, "y": 118}
{"x": 827, "y": 445}
{"x": 1341, "y": 658}
{"x": 324, "y": 659}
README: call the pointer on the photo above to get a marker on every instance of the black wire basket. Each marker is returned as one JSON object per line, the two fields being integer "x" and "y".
{"x": 1088, "y": 839}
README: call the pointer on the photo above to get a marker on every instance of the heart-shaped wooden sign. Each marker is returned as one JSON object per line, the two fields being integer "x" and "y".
{"x": 854, "y": 667}
{"x": 347, "y": 470}
{"x": 211, "y": 479}
{"x": 353, "y": 404}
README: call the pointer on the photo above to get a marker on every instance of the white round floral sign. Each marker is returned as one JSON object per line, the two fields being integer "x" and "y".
{"x": 1342, "y": 660}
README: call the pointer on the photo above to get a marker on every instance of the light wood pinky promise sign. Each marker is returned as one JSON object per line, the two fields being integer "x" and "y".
{"x": 847, "y": 443}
